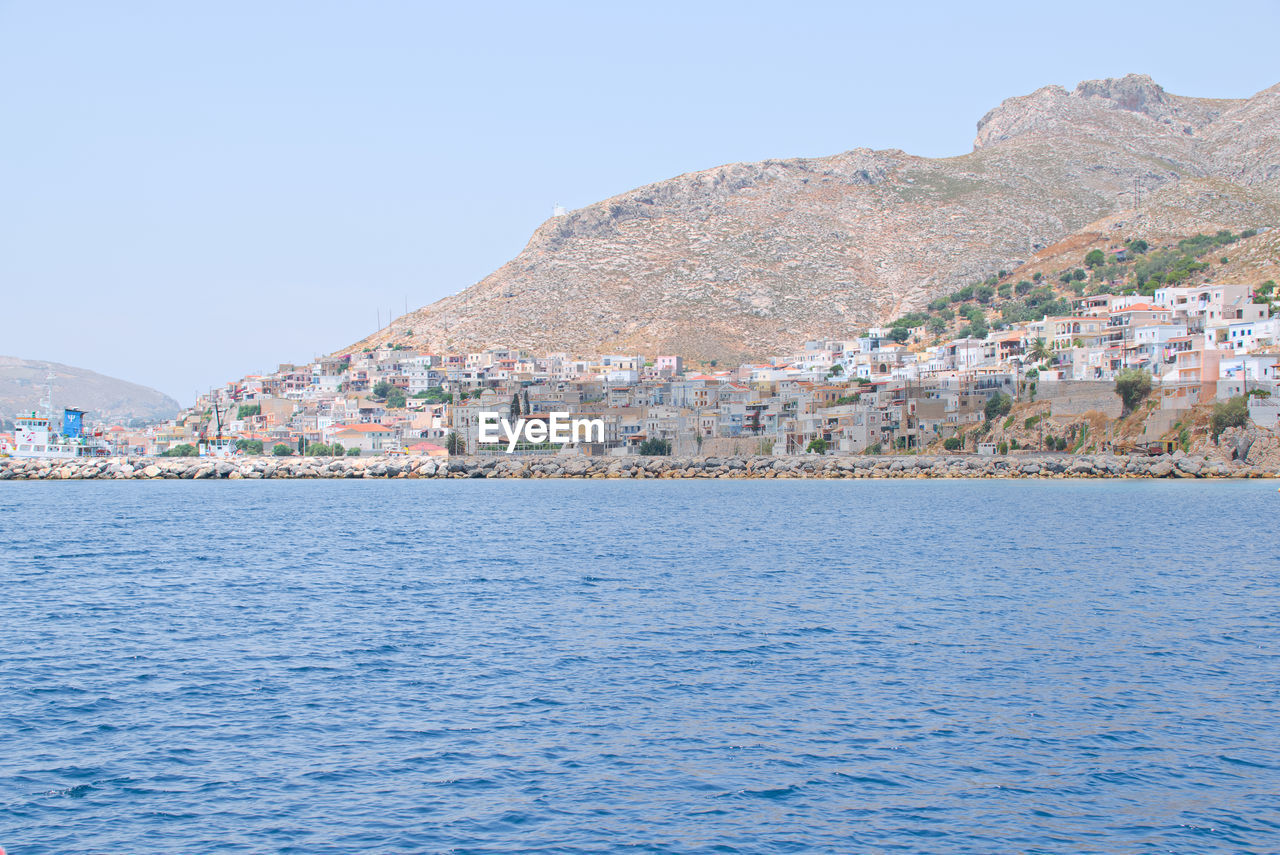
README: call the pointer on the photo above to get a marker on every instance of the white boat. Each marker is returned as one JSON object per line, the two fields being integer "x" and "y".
{"x": 35, "y": 436}
{"x": 40, "y": 436}
{"x": 217, "y": 445}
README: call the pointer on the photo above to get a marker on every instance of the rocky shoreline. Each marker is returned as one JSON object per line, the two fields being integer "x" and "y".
{"x": 1177, "y": 465}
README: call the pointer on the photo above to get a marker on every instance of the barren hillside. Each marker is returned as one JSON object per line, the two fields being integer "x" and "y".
{"x": 749, "y": 259}
{"x": 22, "y": 385}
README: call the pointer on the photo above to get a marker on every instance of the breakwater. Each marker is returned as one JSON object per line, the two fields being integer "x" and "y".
{"x": 1177, "y": 465}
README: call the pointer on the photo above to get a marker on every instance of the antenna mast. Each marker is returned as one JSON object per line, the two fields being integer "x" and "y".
{"x": 46, "y": 403}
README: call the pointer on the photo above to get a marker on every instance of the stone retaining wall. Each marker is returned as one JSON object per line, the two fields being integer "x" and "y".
{"x": 1077, "y": 397}
{"x": 1178, "y": 465}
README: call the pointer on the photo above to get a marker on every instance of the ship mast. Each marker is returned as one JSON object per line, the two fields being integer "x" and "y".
{"x": 46, "y": 403}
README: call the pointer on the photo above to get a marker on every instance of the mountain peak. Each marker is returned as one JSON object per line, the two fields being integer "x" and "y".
{"x": 1137, "y": 93}
{"x": 1097, "y": 105}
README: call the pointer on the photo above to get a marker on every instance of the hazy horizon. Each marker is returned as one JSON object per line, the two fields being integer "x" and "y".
{"x": 197, "y": 194}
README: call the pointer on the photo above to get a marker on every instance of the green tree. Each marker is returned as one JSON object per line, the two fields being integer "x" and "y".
{"x": 353, "y": 452}
{"x": 1232, "y": 413}
{"x": 395, "y": 398}
{"x": 183, "y": 450}
{"x": 454, "y": 444}
{"x": 1040, "y": 351}
{"x": 246, "y": 410}
{"x": 937, "y": 326}
{"x": 514, "y": 410}
{"x": 338, "y": 450}
{"x": 655, "y": 447}
{"x": 249, "y": 446}
{"x": 899, "y": 334}
{"x": 1132, "y": 385}
{"x": 319, "y": 449}
{"x": 998, "y": 405}
{"x": 953, "y": 443}
{"x": 818, "y": 445}
{"x": 381, "y": 388}
{"x": 1095, "y": 258}
{"x": 281, "y": 450}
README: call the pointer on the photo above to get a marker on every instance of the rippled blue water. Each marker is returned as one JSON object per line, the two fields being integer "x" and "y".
{"x": 500, "y": 666}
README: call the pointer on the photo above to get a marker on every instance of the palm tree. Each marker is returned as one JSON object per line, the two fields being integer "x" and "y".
{"x": 1040, "y": 351}
{"x": 453, "y": 443}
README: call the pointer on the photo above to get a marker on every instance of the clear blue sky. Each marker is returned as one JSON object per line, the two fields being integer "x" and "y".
{"x": 191, "y": 192}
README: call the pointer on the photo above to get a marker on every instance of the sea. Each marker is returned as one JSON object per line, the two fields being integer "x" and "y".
{"x": 489, "y": 666}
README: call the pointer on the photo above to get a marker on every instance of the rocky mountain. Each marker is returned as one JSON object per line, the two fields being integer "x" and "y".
{"x": 23, "y": 385}
{"x": 750, "y": 259}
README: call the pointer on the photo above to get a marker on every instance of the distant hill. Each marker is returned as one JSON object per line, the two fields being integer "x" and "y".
{"x": 750, "y": 259}
{"x": 22, "y": 385}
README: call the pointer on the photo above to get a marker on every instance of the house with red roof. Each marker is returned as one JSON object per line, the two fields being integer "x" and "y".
{"x": 371, "y": 438}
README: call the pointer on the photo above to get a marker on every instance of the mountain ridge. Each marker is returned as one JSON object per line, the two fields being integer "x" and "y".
{"x": 107, "y": 399}
{"x": 748, "y": 259}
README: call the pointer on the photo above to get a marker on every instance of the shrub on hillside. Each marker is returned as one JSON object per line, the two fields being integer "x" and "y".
{"x": 1132, "y": 385}
{"x": 1232, "y": 413}
{"x": 998, "y": 405}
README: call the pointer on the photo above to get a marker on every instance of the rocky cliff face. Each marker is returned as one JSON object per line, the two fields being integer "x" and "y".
{"x": 22, "y": 385}
{"x": 746, "y": 260}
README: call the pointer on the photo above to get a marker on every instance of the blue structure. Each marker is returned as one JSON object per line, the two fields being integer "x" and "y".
{"x": 72, "y": 423}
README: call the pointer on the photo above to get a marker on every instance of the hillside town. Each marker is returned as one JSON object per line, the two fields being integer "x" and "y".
{"x": 881, "y": 391}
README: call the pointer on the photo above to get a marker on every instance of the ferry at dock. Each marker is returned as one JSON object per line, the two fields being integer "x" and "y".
{"x": 36, "y": 436}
